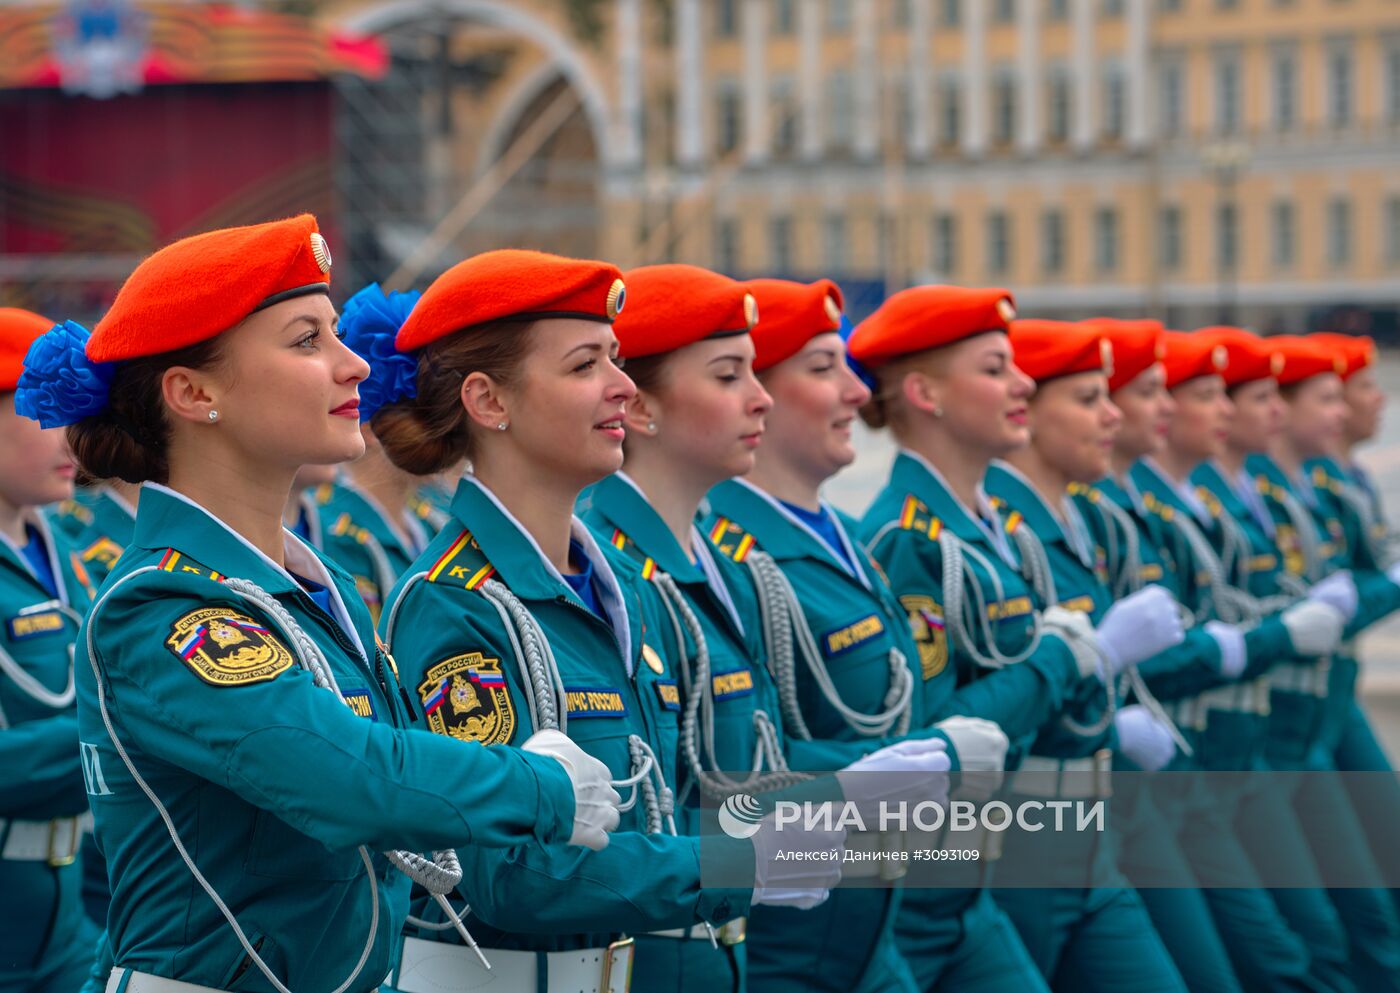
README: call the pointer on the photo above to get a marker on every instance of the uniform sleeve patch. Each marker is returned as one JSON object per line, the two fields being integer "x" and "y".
{"x": 465, "y": 697}
{"x": 173, "y": 561}
{"x": 727, "y": 685}
{"x": 360, "y": 702}
{"x": 226, "y": 648}
{"x": 844, "y": 639}
{"x": 104, "y": 551}
{"x": 594, "y": 701}
{"x": 930, "y": 632}
{"x": 42, "y": 622}
{"x": 1006, "y": 609}
{"x": 668, "y": 693}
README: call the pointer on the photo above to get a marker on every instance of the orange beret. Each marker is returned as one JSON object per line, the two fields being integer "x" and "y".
{"x": 1047, "y": 349}
{"x": 1137, "y": 347}
{"x": 790, "y": 315}
{"x": 1190, "y": 356}
{"x": 1304, "y": 358}
{"x": 199, "y": 287}
{"x": 676, "y": 305}
{"x": 1358, "y": 350}
{"x": 516, "y": 284}
{"x": 18, "y": 330}
{"x": 924, "y": 317}
{"x": 1248, "y": 357}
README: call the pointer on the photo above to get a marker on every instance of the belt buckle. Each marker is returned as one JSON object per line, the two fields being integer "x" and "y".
{"x": 55, "y": 860}
{"x": 1103, "y": 772}
{"x": 734, "y": 932}
{"x": 623, "y": 949}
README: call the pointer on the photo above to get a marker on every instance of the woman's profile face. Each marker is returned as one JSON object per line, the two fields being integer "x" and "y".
{"x": 1317, "y": 413}
{"x": 985, "y": 396}
{"x": 1147, "y": 408}
{"x": 1258, "y": 415}
{"x": 815, "y": 398}
{"x": 1073, "y": 424}
{"x": 286, "y": 387}
{"x": 35, "y": 466}
{"x": 1201, "y": 428}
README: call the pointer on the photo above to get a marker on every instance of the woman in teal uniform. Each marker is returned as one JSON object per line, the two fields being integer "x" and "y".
{"x": 696, "y": 420}
{"x": 515, "y": 619}
{"x": 1073, "y": 423}
{"x": 950, "y": 391}
{"x": 46, "y": 940}
{"x": 242, "y": 736}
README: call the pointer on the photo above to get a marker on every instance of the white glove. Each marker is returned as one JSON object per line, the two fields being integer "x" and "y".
{"x": 595, "y": 801}
{"x": 912, "y": 771}
{"x": 1338, "y": 590}
{"x": 1230, "y": 640}
{"x": 795, "y": 881}
{"x": 981, "y": 746}
{"x": 1138, "y": 627}
{"x": 1315, "y": 628}
{"x": 1393, "y": 574}
{"x": 1143, "y": 738}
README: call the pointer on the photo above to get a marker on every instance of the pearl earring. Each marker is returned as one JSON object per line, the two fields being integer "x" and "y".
{"x": 213, "y": 415}
{"x": 501, "y": 426}
{"x": 651, "y": 427}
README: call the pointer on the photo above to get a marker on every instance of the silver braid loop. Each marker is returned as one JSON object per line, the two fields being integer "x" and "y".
{"x": 26, "y": 682}
{"x": 698, "y": 721}
{"x": 658, "y": 801}
{"x": 538, "y": 671}
{"x": 1126, "y": 571}
{"x": 1035, "y": 565}
{"x": 783, "y": 621}
{"x": 957, "y": 608}
{"x": 1358, "y": 506}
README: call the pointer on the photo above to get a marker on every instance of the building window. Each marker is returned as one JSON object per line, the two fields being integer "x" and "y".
{"x": 1057, "y": 116}
{"x": 1052, "y": 242}
{"x": 998, "y": 243}
{"x": 838, "y": 15}
{"x": 834, "y": 244}
{"x": 780, "y": 245}
{"x": 1172, "y": 109}
{"x": 1284, "y": 235}
{"x": 1227, "y": 93}
{"x": 784, "y": 16}
{"x": 1168, "y": 6}
{"x": 1338, "y": 233}
{"x": 841, "y": 108}
{"x": 727, "y": 245}
{"x": 1112, "y": 8}
{"x": 1169, "y": 239}
{"x": 950, "y": 111}
{"x": 783, "y": 114}
{"x": 1226, "y": 236}
{"x": 1004, "y": 11}
{"x": 1057, "y": 10}
{"x": 900, "y": 14}
{"x": 1392, "y": 84}
{"x": 726, "y": 19}
{"x": 1106, "y": 239}
{"x": 1285, "y": 91}
{"x": 949, "y": 13}
{"x": 1339, "y": 102}
{"x": 1114, "y": 102}
{"x": 1392, "y": 231}
{"x": 727, "y": 112}
{"x": 1004, "y": 108}
{"x": 944, "y": 249}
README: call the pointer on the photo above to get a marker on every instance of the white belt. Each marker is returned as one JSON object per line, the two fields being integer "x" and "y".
{"x": 439, "y": 967}
{"x": 1237, "y": 698}
{"x": 131, "y": 981}
{"x": 1040, "y": 775}
{"x": 729, "y": 933}
{"x": 56, "y": 842}
{"x": 1309, "y": 678}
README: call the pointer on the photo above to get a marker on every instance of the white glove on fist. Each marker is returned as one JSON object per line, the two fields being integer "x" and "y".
{"x": 1139, "y": 626}
{"x": 1144, "y": 739}
{"x": 1315, "y": 628}
{"x": 981, "y": 746}
{"x": 1230, "y": 640}
{"x": 595, "y": 801}
{"x": 912, "y": 771}
{"x": 1338, "y": 590}
{"x": 794, "y": 880}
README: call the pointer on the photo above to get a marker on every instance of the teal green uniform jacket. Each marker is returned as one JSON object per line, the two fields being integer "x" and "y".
{"x": 460, "y": 664}
{"x": 355, "y": 532}
{"x": 98, "y": 535}
{"x": 45, "y": 938}
{"x": 269, "y": 781}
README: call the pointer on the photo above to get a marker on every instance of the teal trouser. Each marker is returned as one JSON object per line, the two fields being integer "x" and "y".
{"x": 1375, "y": 798}
{"x": 687, "y": 965}
{"x": 96, "y": 889}
{"x": 845, "y": 945}
{"x": 46, "y": 941}
{"x": 972, "y": 949}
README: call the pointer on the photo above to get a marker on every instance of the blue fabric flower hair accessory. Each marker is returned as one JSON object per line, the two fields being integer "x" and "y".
{"x": 862, "y": 373}
{"x": 60, "y": 385}
{"x": 370, "y": 319}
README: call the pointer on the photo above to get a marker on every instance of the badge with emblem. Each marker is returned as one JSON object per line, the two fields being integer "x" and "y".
{"x": 930, "y": 633}
{"x": 465, "y": 697}
{"x": 226, "y": 648}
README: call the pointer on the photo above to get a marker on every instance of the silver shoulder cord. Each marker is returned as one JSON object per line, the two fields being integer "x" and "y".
{"x": 698, "y": 720}
{"x": 26, "y": 682}
{"x": 438, "y": 875}
{"x": 786, "y": 633}
{"x": 1353, "y": 499}
{"x": 384, "y": 572}
{"x": 956, "y": 607}
{"x": 1036, "y": 569}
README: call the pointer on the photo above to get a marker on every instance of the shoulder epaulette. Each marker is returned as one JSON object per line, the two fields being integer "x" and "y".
{"x": 1013, "y": 521}
{"x": 104, "y": 550}
{"x": 463, "y": 564}
{"x": 1322, "y": 478}
{"x": 1211, "y": 501}
{"x": 628, "y": 547}
{"x": 345, "y": 527}
{"x": 75, "y": 510}
{"x": 1091, "y": 493}
{"x": 176, "y": 561}
{"x": 323, "y": 493}
{"x": 1162, "y": 510}
{"x": 915, "y": 516}
{"x": 731, "y": 540}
